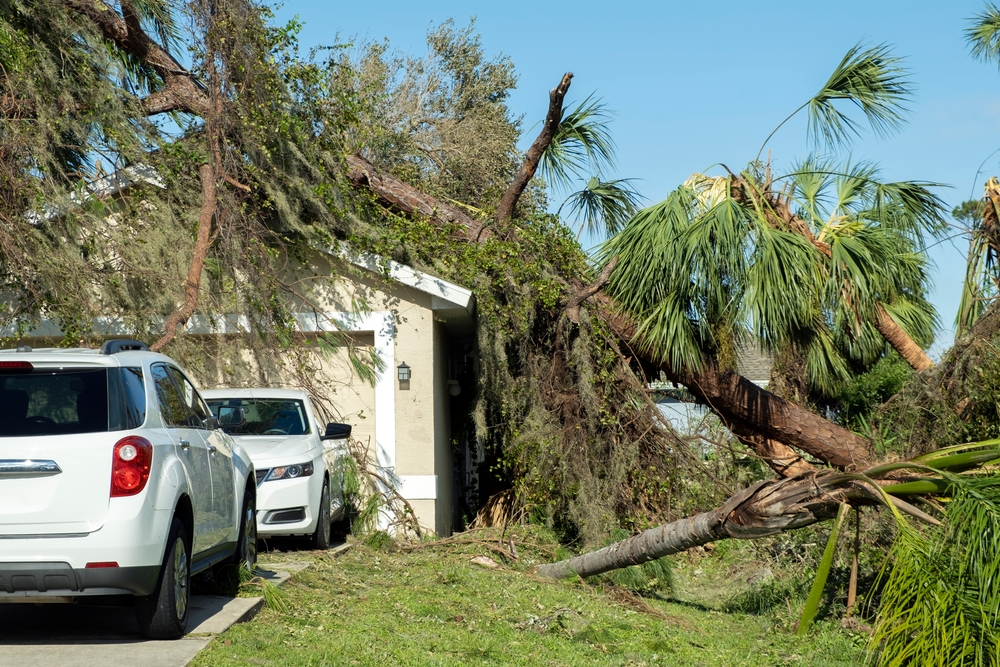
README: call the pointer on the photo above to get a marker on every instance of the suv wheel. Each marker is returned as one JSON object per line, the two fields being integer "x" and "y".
{"x": 321, "y": 538}
{"x": 164, "y": 614}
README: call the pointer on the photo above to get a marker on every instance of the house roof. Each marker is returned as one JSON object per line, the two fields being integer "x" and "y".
{"x": 453, "y": 304}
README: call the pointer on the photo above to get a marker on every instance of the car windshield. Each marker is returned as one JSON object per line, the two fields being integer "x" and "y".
{"x": 57, "y": 401}
{"x": 264, "y": 416}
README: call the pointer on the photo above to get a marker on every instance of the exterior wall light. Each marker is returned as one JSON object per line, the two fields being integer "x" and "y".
{"x": 403, "y": 374}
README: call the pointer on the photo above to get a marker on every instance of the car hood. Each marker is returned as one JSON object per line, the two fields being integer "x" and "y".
{"x": 276, "y": 449}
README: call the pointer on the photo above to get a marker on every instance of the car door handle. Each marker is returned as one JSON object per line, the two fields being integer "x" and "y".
{"x": 212, "y": 449}
{"x": 184, "y": 444}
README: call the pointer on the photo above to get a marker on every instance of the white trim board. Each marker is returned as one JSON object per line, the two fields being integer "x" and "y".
{"x": 445, "y": 295}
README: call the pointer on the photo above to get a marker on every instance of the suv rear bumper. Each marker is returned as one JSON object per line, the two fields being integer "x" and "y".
{"x": 59, "y": 579}
{"x": 133, "y": 536}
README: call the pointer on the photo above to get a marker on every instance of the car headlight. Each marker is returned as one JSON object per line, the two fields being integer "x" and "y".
{"x": 289, "y": 472}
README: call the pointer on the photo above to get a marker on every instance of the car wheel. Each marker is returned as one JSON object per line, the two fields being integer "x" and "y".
{"x": 246, "y": 547}
{"x": 164, "y": 614}
{"x": 321, "y": 538}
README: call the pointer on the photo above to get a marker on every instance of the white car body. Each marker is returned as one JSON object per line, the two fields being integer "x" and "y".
{"x": 289, "y": 506}
{"x": 63, "y": 535}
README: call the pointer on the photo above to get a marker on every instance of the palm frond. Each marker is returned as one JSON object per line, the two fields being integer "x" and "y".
{"x": 978, "y": 288}
{"x": 984, "y": 34}
{"x": 582, "y": 144}
{"x": 872, "y": 79}
{"x": 604, "y": 206}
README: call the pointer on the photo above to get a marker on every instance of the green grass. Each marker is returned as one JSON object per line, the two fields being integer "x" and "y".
{"x": 436, "y": 607}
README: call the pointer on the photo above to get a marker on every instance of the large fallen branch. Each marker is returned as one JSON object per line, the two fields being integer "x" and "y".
{"x": 400, "y": 197}
{"x": 180, "y": 91}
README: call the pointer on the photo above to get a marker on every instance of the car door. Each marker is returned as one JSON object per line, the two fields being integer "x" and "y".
{"x": 190, "y": 448}
{"x": 220, "y": 462}
{"x": 334, "y": 452}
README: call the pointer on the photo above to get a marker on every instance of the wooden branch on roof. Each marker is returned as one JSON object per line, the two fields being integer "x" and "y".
{"x": 396, "y": 195}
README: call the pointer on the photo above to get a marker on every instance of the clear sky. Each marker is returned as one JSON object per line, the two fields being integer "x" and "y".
{"x": 697, "y": 83}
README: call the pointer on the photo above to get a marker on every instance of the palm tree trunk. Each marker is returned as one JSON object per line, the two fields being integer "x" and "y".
{"x": 901, "y": 341}
{"x": 766, "y": 508}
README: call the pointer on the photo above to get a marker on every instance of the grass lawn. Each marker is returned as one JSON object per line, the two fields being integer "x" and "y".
{"x": 437, "y": 607}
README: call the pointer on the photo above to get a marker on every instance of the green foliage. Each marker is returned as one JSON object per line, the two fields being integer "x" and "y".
{"x": 941, "y": 595}
{"x": 866, "y": 392}
{"x": 582, "y": 144}
{"x": 822, "y": 573}
{"x": 709, "y": 268}
{"x": 604, "y": 206}
{"x": 874, "y": 81}
{"x": 983, "y": 34}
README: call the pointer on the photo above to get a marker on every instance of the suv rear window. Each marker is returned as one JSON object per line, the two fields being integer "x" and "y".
{"x": 265, "y": 416}
{"x": 58, "y": 401}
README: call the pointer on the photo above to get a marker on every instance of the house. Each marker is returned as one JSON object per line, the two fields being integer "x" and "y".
{"x": 419, "y": 327}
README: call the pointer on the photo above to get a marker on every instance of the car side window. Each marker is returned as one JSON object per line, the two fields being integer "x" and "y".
{"x": 192, "y": 400}
{"x": 172, "y": 407}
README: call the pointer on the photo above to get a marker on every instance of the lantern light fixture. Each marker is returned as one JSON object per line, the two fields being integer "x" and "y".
{"x": 403, "y": 372}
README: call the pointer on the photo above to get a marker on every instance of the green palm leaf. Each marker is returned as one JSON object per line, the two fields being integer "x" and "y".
{"x": 874, "y": 81}
{"x": 984, "y": 34}
{"x": 604, "y": 206}
{"x": 582, "y": 144}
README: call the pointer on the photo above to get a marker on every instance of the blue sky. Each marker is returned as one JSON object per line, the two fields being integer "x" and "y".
{"x": 695, "y": 84}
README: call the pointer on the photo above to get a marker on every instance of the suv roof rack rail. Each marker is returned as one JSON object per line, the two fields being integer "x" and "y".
{"x": 123, "y": 345}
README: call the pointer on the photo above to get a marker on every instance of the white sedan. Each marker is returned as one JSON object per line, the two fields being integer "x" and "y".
{"x": 299, "y": 466}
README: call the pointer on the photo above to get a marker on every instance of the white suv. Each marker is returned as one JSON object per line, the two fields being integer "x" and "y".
{"x": 115, "y": 479}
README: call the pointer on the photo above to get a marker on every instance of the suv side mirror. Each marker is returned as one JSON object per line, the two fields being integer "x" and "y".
{"x": 231, "y": 416}
{"x": 336, "y": 431}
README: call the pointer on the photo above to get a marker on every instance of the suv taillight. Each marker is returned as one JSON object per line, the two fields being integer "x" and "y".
{"x": 130, "y": 465}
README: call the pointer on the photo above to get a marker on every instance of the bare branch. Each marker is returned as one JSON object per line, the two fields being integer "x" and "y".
{"x": 505, "y": 211}
{"x": 193, "y": 284}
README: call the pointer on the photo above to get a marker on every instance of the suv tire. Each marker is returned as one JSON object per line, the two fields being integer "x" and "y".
{"x": 164, "y": 614}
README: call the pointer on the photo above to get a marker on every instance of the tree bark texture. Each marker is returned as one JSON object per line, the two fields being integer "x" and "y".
{"x": 764, "y": 509}
{"x": 404, "y": 198}
{"x": 192, "y": 285}
{"x": 505, "y": 211}
{"x": 901, "y": 341}
{"x": 781, "y": 458}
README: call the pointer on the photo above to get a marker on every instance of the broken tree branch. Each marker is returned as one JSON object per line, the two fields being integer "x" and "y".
{"x": 505, "y": 211}
{"x": 180, "y": 90}
{"x": 192, "y": 285}
{"x": 401, "y": 197}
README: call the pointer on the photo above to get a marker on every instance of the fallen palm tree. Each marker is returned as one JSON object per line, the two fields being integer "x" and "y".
{"x": 940, "y": 582}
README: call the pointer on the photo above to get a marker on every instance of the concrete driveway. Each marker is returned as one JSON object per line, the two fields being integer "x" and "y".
{"x": 76, "y": 635}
